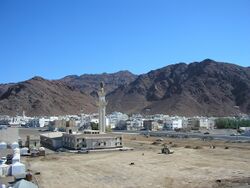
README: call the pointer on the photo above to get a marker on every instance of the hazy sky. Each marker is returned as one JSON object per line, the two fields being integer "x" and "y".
{"x": 54, "y": 38}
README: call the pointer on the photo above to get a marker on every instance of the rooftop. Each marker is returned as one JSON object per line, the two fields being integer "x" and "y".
{"x": 52, "y": 134}
{"x": 105, "y": 135}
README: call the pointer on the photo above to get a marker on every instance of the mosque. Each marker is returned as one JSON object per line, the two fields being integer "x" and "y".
{"x": 93, "y": 139}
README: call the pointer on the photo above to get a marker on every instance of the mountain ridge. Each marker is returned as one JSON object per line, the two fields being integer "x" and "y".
{"x": 207, "y": 88}
{"x": 199, "y": 88}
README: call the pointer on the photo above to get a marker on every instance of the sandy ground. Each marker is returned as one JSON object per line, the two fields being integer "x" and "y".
{"x": 187, "y": 167}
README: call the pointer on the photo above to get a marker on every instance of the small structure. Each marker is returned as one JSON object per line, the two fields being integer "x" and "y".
{"x": 17, "y": 151}
{"x": 41, "y": 151}
{"x": 14, "y": 145}
{"x": 24, "y": 151}
{"x": 17, "y": 169}
{"x": 32, "y": 142}
{"x": 34, "y": 152}
{"x": 4, "y": 170}
{"x": 24, "y": 184}
{"x": 52, "y": 140}
{"x": 16, "y": 158}
{"x": 3, "y": 145}
{"x": 166, "y": 150}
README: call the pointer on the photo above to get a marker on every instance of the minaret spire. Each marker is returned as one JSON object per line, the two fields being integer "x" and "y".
{"x": 102, "y": 108}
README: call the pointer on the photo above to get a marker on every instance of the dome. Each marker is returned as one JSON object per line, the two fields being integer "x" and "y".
{"x": 24, "y": 151}
{"x": 41, "y": 149}
{"x": 3, "y": 145}
{"x": 14, "y": 145}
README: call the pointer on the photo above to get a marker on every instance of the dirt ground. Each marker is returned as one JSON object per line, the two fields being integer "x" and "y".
{"x": 186, "y": 167}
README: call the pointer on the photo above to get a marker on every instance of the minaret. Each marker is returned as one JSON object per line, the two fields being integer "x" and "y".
{"x": 102, "y": 108}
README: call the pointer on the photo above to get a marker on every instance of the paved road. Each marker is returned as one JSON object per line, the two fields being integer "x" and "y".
{"x": 188, "y": 135}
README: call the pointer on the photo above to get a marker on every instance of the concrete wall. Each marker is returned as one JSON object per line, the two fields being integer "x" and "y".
{"x": 78, "y": 141}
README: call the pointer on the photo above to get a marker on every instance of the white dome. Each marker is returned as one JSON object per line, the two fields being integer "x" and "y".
{"x": 24, "y": 151}
{"x": 41, "y": 149}
{"x": 14, "y": 145}
{"x": 3, "y": 145}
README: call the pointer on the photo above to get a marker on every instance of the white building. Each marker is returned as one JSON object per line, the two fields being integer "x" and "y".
{"x": 4, "y": 170}
{"x": 3, "y": 145}
{"x": 135, "y": 124}
{"x": 43, "y": 122}
{"x": 17, "y": 169}
{"x": 207, "y": 123}
{"x": 115, "y": 118}
{"x": 172, "y": 124}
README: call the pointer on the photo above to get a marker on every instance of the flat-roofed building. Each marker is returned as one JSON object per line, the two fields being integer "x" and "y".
{"x": 52, "y": 140}
{"x": 91, "y": 141}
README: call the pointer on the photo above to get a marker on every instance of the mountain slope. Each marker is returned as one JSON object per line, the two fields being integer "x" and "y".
{"x": 68, "y": 95}
{"x": 89, "y": 83}
{"x": 38, "y": 96}
{"x": 205, "y": 88}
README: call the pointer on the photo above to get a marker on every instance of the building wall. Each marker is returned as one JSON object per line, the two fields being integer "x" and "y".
{"x": 102, "y": 143}
{"x": 78, "y": 141}
{"x": 147, "y": 124}
{"x": 193, "y": 123}
{"x": 52, "y": 143}
{"x": 206, "y": 123}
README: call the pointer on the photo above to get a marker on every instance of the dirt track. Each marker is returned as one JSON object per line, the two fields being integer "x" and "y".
{"x": 187, "y": 167}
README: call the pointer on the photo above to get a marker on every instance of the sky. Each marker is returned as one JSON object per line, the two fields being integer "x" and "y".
{"x": 55, "y": 38}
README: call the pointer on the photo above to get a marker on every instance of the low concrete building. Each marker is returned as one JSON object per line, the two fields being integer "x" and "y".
{"x": 52, "y": 140}
{"x": 32, "y": 142}
{"x": 61, "y": 125}
{"x": 172, "y": 124}
{"x": 150, "y": 125}
{"x": 193, "y": 123}
{"x": 207, "y": 123}
{"x": 91, "y": 140}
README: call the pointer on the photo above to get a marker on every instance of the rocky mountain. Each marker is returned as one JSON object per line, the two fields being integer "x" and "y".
{"x": 89, "y": 83}
{"x": 68, "y": 95}
{"x": 4, "y": 88}
{"x": 207, "y": 88}
{"x": 38, "y": 96}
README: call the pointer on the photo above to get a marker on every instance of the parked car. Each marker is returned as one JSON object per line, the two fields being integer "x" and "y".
{"x": 83, "y": 150}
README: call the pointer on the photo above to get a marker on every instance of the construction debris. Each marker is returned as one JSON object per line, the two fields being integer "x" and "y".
{"x": 166, "y": 150}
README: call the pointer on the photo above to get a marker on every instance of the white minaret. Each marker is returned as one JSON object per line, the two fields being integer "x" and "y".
{"x": 102, "y": 109}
